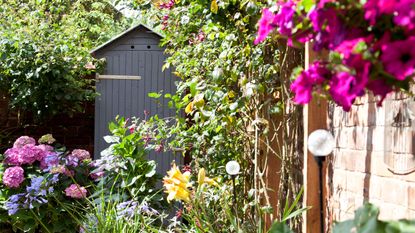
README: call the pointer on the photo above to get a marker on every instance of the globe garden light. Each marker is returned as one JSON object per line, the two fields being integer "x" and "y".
{"x": 232, "y": 168}
{"x": 320, "y": 143}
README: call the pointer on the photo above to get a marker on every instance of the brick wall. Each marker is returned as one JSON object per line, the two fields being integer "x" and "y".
{"x": 366, "y": 137}
{"x": 73, "y": 132}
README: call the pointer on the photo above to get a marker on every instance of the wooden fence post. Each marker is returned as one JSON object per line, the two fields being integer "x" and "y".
{"x": 315, "y": 117}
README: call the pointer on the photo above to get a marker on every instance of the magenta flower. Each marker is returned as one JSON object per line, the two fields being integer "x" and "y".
{"x": 24, "y": 140}
{"x": 380, "y": 88}
{"x": 330, "y": 31}
{"x": 398, "y": 58}
{"x": 304, "y": 84}
{"x": 375, "y": 8}
{"x": 347, "y": 47}
{"x": 342, "y": 91}
{"x": 344, "y": 87}
{"x": 266, "y": 25}
{"x": 75, "y": 191}
{"x": 13, "y": 177}
{"x": 132, "y": 128}
{"x": 284, "y": 18}
{"x": 405, "y": 14}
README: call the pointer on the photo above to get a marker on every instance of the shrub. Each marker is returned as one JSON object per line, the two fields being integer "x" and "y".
{"x": 41, "y": 183}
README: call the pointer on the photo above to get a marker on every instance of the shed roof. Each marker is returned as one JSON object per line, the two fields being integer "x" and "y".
{"x": 119, "y": 36}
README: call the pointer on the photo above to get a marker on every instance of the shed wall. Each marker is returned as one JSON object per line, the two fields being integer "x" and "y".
{"x": 137, "y": 54}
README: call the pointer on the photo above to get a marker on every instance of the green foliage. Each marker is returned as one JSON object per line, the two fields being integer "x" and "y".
{"x": 366, "y": 220}
{"x": 44, "y": 48}
{"x": 128, "y": 172}
{"x": 228, "y": 87}
{"x": 105, "y": 215}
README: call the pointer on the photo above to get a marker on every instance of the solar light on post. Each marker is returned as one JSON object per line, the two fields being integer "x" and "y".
{"x": 320, "y": 143}
{"x": 233, "y": 168}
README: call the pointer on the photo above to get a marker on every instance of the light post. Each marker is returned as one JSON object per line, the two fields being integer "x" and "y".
{"x": 232, "y": 168}
{"x": 320, "y": 143}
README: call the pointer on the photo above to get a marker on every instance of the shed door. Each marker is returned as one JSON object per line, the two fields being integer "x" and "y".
{"x": 129, "y": 97}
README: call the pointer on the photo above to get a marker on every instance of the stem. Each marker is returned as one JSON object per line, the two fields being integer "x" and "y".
{"x": 40, "y": 221}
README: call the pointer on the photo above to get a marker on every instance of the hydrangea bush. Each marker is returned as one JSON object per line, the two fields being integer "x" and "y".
{"x": 370, "y": 45}
{"x": 41, "y": 183}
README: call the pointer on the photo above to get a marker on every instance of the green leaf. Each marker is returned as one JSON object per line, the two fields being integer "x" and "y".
{"x": 307, "y": 4}
{"x": 154, "y": 95}
{"x": 279, "y": 227}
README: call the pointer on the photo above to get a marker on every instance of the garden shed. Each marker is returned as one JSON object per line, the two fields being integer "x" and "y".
{"x": 133, "y": 69}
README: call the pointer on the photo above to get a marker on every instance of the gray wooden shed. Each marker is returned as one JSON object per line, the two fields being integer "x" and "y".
{"x": 133, "y": 69}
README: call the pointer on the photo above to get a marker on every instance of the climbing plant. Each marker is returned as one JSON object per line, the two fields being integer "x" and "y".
{"x": 233, "y": 94}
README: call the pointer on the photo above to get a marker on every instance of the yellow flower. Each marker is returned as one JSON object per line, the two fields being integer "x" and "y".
{"x": 177, "y": 184}
{"x": 202, "y": 178}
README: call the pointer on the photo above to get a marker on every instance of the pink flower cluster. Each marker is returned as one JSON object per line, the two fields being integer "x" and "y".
{"x": 13, "y": 177}
{"x": 25, "y": 151}
{"x": 76, "y": 191}
{"x": 373, "y": 45}
{"x": 167, "y": 5}
{"x": 81, "y": 154}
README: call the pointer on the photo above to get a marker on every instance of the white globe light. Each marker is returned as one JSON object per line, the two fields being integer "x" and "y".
{"x": 320, "y": 142}
{"x": 232, "y": 168}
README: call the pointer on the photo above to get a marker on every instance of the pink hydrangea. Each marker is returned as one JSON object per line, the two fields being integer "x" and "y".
{"x": 13, "y": 177}
{"x": 80, "y": 154}
{"x": 24, "y": 140}
{"x": 43, "y": 151}
{"x": 76, "y": 191}
{"x": 27, "y": 154}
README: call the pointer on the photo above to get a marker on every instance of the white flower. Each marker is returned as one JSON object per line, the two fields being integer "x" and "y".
{"x": 185, "y": 20}
{"x": 232, "y": 168}
{"x": 320, "y": 142}
{"x": 217, "y": 72}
